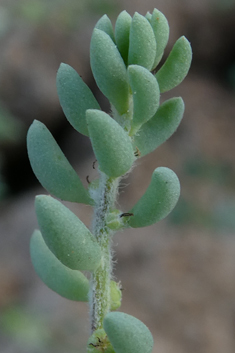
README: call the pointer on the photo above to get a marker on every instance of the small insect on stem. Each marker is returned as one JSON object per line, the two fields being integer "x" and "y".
{"x": 137, "y": 152}
{"x": 93, "y": 164}
{"x": 87, "y": 179}
{"x": 99, "y": 345}
{"x": 126, "y": 214}
{"x": 94, "y": 345}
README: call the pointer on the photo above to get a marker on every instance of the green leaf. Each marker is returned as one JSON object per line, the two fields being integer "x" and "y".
{"x": 111, "y": 144}
{"x": 105, "y": 25}
{"x": 66, "y": 236}
{"x": 146, "y": 95}
{"x": 122, "y": 33}
{"x": 161, "y": 31}
{"x": 75, "y": 97}
{"x": 160, "y": 127}
{"x": 142, "y": 48}
{"x": 176, "y": 67}
{"x": 52, "y": 168}
{"x": 115, "y": 295}
{"x": 148, "y": 16}
{"x": 109, "y": 70}
{"x": 127, "y": 334}
{"x": 71, "y": 284}
{"x": 159, "y": 199}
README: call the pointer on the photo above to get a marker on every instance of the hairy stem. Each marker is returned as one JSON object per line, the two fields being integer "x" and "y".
{"x": 100, "y": 279}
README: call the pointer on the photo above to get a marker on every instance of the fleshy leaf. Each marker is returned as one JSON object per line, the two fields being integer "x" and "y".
{"x": 159, "y": 199}
{"x": 161, "y": 31}
{"x": 109, "y": 70}
{"x": 111, "y": 144}
{"x": 105, "y": 25}
{"x": 148, "y": 16}
{"x": 127, "y": 334}
{"x": 160, "y": 127}
{"x": 146, "y": 95}
{"x": 176, "y": 66}
{"x": 75, "y": 97}
{"x": 52, "y": 168}
{"x": 122, "y": 33}
{"x": 71, "y": 284}
{"x": 142, "y": 48}
{"x": 116, "y": 295}
{"x": 66, "y": 236}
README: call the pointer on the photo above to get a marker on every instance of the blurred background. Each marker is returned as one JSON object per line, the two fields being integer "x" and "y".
{"x": 178, "y": 275}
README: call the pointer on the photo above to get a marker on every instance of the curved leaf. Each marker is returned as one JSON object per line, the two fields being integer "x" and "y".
{"x": 122, "y": 34}
{"x": 127, "y": 334}
{"x": 111, "y": 144}
{"x": 66, "y": 236}
{"x": 105, "y": 25}
{"x": 159, "y": 199}
{"x": 161, "y": 31}
{"x": 68, "y": 283}
{"x": 52, "y": 168}
{"x": 160, "y": 127}
{"x": 109, "y": 70}
{"x": 75, "y": 97}
{"x": 176, "y": 66}
{"x": 146, "y": 95}
{"x": 142, "y": 48}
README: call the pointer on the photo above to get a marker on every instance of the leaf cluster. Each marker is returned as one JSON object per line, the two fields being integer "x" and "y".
{"x": 124, "y": 63}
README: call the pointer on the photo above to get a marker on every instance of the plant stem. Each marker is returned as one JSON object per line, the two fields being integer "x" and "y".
{"x": 100, "y": 279}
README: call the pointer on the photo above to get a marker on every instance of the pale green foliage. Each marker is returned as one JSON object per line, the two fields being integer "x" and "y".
{"x": 109, "y": 70}
{"x": 122, "y": 33}
{"x": 127, "y": 334}
{"x": 160, "y": 127}
{"x": 105, "y": 25}
{"x": 124, "y": 64}
{"x": 159, "y": 199}
{"x": 111, "y": 144}
{"x": 66, "y": 236}
{"x": 142, "y": 47}
{"x": 52, "y": 168}
{"x": 116, "y": 295}
{"x": 146, "y": 95}
{"x": 160, "y": 28}
{"x": 75, "y": 97}
{"x": 71, "y": 284}
{"x": 176, "y": 67}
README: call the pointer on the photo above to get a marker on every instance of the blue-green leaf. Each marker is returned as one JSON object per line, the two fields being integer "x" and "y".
{"x": 161, "y": 31}
{"x": 122, "y": 34}
{"x": 71, "y": 284}
{"x": 142, "y": 48}
{"x": 111, "y": 144}
{"x": 176, "y": 66}
{"x": 146, "y": 95}
{"x": 52, "y": 168}
{"x": 160, "y": 127}
{"x": 105, "y": 25}
{"x": 109, "y": 70}
{"x": 159, "y": 199}
{"x": 127, "y": 334}
{"x": 75, "y": 97}
{"x": 66, "y": 236}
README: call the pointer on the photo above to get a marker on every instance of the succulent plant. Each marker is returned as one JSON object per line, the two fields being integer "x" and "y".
{"x": 124, "y": 63}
